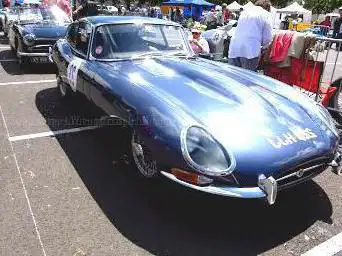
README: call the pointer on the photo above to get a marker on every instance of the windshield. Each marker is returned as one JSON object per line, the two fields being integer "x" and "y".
{"x": 53, "y": 13}
{"x": 133, "y": 40}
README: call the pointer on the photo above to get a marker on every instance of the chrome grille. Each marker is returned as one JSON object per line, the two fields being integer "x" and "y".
{"x": 302, "y": 172}
{"x": 42, "y": 45}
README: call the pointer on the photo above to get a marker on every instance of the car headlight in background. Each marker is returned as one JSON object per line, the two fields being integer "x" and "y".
{"x": 204, "y": 153}
{"x": 29, "y": 39}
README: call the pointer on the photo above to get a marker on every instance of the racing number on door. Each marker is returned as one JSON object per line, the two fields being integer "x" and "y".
{"x": 72, "y": 73}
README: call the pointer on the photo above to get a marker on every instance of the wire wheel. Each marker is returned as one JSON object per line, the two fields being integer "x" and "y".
{"x": 142, "y": 158}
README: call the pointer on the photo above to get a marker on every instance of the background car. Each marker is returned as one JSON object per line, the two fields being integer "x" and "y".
{"x": 203, "y": 124}
{"x": 218, "y": 40}
{"x": 35, "y": 30}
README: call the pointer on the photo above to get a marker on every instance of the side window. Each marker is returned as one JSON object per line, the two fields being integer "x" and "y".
{"x": 71, "y": 34}
{"x": 83, "y": 37}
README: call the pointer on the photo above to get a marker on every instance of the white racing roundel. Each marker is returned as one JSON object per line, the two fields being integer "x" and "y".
{"x": 72, "y": 71}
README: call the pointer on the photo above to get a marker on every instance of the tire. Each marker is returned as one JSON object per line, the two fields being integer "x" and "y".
{"x": 147, "y": 167}
{"x": 21, "y": 60}
{"x": 64, "y": 90}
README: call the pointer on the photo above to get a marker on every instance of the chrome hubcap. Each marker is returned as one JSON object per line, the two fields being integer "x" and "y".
{"x": 145, "y": 165}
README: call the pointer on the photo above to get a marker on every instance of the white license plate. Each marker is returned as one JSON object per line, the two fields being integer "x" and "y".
{"x": 39, "y": 59}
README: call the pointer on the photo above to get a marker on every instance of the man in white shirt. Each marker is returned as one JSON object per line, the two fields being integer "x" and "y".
{"x": 254, "y": 31}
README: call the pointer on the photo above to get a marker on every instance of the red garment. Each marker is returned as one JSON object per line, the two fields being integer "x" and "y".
{"x": 7, "y": 3}
{"x": 280, "y": 74}
{"x": 64, "y": 5}
{"x": 326, "y": 23}
{"x": 227, "y": 15}
{"x": 280, "y": 46}
{"x": 305, "y": 74}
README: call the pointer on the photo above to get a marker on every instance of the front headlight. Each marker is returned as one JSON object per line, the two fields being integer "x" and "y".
{"x": 29, "y": 39}
{"x": 204, "y": 153}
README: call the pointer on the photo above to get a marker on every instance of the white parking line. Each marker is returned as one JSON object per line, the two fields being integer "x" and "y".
{"x": 23, "y": 186}
{"x": 29, "y": 82}
{"x": 5, "y": 47}
{"x": 51, "y": 133}
{"x": 327, "y": 248}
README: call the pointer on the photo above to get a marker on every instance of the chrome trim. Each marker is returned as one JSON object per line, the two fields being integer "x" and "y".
{"x": 47, "y": 38}
{"x": 270, "y": 186}
{"x": 301, "y": 172}
{"x": 40, "y": 45}
{"x": 50, "y": 55}
{"x": 196, "y": 166}
{"x": 253, "y": 192}
{"x": 33, "y": 54}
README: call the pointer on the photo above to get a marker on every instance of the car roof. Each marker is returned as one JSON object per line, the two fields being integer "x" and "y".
{"x": 99, "y": 20}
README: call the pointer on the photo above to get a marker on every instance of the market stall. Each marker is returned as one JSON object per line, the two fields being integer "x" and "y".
{"x": 191, "y": 8}
{"x": 296, "y": 10}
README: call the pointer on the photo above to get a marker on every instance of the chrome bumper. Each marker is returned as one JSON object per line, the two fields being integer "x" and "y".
{"x": 267, "y": 187}
{"x": 255, "y": 192}
{"x": 33, "y": 54}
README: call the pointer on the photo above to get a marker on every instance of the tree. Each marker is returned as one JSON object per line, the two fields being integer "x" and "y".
{"x": 322, "y": 6}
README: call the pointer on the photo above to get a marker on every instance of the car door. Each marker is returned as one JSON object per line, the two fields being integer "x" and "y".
{"x": 78, "y": 69}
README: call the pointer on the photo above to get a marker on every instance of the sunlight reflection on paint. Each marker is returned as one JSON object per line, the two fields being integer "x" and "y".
{"x": 157, "y": 69}
{"x": 136, "y": 79}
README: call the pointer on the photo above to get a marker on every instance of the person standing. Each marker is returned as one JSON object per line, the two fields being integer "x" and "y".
{"x": 64, "y": 5}
{"x": 178, "y": 16}
{"x": 254, "y": 31}
{"x": 337, "y": 26}
{"x": 81, "y": 9}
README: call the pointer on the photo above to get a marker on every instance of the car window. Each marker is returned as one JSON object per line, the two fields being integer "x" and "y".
{"x": 83, "y": 37}
{"x": 71, "y": 34}
{"x": 128, "y": 40}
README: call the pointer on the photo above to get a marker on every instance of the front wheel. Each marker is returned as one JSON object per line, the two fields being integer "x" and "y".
{"x": 147, "y": 167}
{"x": 64, "y": 90}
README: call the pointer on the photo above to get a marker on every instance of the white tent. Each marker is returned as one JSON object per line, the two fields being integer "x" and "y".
{"x": 296, "y": 8}
{"x": 275, "y": 17}
{"x": 248, "y": 5}
{"x": 234, "y": 6}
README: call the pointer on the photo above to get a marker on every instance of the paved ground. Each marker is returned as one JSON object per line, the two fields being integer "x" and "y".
{"x": 71, "y": 195}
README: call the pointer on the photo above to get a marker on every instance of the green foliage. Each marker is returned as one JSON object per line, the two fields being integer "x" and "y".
{"x": 322, "y": 6}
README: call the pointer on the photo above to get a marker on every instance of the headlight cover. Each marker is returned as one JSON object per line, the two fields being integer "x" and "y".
{"x": 204, "y": 153}
{"x": 29, "y": 39}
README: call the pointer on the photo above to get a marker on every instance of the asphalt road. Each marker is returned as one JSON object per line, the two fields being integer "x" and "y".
{"x": 74, "y": 193}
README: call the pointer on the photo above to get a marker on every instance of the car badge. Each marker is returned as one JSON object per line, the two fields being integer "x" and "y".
{"x": 300, "y": 173}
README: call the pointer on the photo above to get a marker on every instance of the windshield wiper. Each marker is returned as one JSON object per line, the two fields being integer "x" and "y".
{"x": 146, "y": 54}
{"x": 179, "y": 54}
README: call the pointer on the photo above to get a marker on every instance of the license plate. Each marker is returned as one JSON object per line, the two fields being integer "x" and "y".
{"x": 39, "y": 59}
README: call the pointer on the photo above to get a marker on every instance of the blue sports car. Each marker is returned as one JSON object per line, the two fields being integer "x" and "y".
{"x": 35, "y": 30}
{"x": 204, "y": 124}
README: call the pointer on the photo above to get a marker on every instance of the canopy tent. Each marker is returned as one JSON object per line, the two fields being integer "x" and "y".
{"x": 202, "y": 3}
{"x": 294, "y": 8}
{"x": 248, "y": 5}
{"x": 234, "y": 6}
{"x": 191, "y": 8}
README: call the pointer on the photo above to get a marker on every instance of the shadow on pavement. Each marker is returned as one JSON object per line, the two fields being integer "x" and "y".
{"x": 167, "y": 219}
{"x": 13, "y": 68}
